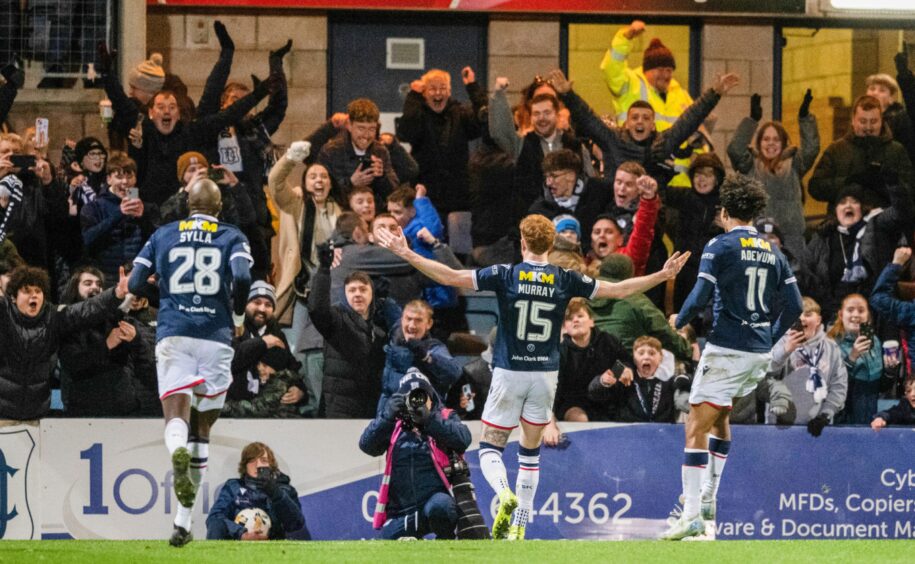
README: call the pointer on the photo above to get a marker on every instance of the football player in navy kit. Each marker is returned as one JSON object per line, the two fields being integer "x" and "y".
{"x": 203, "y": 270}
{"x": 532, "y": 298}
{"x": 756, "y": 299}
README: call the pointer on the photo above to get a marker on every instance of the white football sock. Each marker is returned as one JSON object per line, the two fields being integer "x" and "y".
{"x": 694, "y": 464}
{"x": 493, "y": 468}
{"x": 183, "y": 517}
{"x": 175, "y": 434}
{"x": 526, "y": 485}
{"x": 199, "y": 449}
{"x": 718, "y": 450}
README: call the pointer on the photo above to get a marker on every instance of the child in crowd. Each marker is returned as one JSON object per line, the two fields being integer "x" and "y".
{"x": 903, "y": 413}
{"x": 812, "y": 367}
{"x": 644, "y": 397}
{"x": 862, "y": 352}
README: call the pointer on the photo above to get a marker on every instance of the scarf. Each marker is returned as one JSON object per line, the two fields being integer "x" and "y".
{"x": 10, "y": 186}
{"x": 815, "y": 384}
{"x": 854, "y": 266}
{"x": 571, "y": 202}
{"x": 650, "y": 411}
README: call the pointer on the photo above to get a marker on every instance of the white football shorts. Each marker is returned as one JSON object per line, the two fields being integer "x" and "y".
{"x": 724, "y": 374}
{"x": 196, "y": 367}
{"x": 520, "y": 396}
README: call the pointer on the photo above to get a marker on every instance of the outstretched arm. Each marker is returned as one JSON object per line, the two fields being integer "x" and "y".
{"x": 443, "y": 274}
{"x": 635, "y": 285}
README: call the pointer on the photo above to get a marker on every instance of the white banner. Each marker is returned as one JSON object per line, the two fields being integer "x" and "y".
{"x": 111, "y": 478}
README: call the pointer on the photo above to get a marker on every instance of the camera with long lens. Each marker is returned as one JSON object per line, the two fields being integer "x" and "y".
{"x": 470, "y": 523}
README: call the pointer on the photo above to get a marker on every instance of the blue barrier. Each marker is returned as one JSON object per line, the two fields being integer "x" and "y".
{"x": 620, "y": 482}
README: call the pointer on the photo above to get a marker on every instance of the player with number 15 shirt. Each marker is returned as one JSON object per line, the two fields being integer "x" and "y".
{"x": 532, "y": 299}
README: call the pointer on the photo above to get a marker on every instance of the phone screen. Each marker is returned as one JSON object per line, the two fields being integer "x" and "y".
{"x": 618, "y": 369}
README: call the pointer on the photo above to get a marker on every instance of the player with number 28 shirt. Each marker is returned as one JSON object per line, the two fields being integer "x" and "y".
{"x": 203, "y": 269}
{"x": 532, "y": 297}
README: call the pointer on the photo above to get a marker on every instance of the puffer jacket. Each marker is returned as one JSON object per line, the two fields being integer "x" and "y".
{"x": 783, "y": 184}
{"x": 899, "y": 312}
{"x": 29, "y": 343}
{"x": 353, "y": 350}
{"x": 96, "y": 381}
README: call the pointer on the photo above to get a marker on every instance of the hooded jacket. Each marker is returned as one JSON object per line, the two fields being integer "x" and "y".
{"x": 428, "y": 355}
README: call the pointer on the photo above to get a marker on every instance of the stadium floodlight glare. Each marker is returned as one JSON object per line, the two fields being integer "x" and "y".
{"x": 874, "y": 5}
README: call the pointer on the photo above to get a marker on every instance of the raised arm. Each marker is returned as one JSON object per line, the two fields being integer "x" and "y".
{"x": 216, "y": 82}
{"x": 501, "y": 121}
{"x": 642, "y": 283}
{"x": 443, "y": 274}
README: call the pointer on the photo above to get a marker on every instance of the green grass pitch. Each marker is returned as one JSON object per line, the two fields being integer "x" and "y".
{"x": 469, "y": 552}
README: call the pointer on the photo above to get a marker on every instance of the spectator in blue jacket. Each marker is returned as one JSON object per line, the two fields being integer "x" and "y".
{"x": 419, "y": 439}
{"x": 114, "y": 225}
{"x": 423, "y": 229}
{"x": 260, "y": 485}
{"x": 894, "y": 310}
{"x": 412, "y": 346}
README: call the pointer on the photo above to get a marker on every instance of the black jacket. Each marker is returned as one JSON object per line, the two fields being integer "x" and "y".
{"x": 900, "y": 414}
{"x": 157, "y": 160}
{"x": 284, "y": 509}
{"x": 491, "y": 175}
{"x": 340, "y": 159}
{"x": 29, "y": 343}
{"x": 528, "y": 180}
{"x": 250, "y": 348}
{"x": 96, "y": 381}
{"x": 438, "y": 142}
{"x": 577, "y": 368}
{"x": 353, "y": 352}
{"x": 617, "y": 146}
{"x": 643, "y": 401}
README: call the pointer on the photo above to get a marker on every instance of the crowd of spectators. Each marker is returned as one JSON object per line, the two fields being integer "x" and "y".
{"x": 334, "y": 322}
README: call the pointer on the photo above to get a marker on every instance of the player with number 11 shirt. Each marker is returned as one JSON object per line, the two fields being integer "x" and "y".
{"x": 203, "y": 270}
{"x": 532, "y": 297}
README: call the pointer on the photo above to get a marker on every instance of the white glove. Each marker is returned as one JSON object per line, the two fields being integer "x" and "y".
{"x": 298, "y": 151}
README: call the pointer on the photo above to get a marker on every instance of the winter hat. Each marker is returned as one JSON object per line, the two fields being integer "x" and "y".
{"x": 87, "y": 144}
{"x": 276, "y": 358}
{"x": 187, "y": 159}
{"x": 657, "y": 56}
{"x": 768, "y": 226}
{"x": 149, "y": 75}
{"x": 710, "y": 160}
{"x": 414, "y": 379}
{"x": 566, "y": 222}
{"x": 616, "y": 267}
{"x": 262, "y": 289}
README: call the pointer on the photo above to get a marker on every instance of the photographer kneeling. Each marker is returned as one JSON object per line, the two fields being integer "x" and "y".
{"x": 421, "y": 441}
{"x": 261, "y": 485}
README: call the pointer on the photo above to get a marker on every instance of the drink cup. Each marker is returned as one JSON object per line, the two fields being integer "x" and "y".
{"x": 891, "y": 349}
